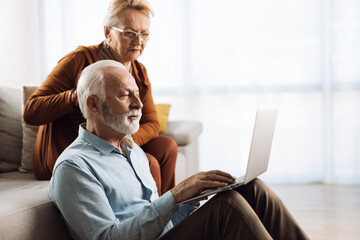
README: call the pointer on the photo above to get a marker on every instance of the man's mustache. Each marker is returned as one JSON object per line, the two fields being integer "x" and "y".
{"x": 136, "y": 112}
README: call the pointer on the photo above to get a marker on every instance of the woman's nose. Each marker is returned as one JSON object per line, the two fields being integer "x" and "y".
{"x": 138, "y": 40}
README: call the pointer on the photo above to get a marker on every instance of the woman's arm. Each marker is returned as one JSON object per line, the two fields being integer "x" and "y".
{"x": 53, "y": 99}
{"x": 149, "y": 122}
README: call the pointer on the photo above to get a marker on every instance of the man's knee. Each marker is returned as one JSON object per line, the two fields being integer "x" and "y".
{"x": 230, "y": 197}
{"x": 234, "y": 205}
{"x": 257, "y": 184}
{"x": 259, "y": 190}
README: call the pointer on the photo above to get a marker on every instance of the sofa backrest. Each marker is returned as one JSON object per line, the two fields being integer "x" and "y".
{"x": 10, "y": 128}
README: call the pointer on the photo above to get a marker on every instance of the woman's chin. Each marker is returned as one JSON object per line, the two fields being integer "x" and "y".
{"x": 134, "y": 55}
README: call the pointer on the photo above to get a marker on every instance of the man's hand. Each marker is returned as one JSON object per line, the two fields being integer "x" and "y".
{"x": 197, "y": 183}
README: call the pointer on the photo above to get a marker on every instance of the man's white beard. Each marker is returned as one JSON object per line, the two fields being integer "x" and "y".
{"x": 120, "y": 123}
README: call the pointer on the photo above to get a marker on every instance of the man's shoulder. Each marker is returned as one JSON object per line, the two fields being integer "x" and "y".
{"x": 75, "y": 153}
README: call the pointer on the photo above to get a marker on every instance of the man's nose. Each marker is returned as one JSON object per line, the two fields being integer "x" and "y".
{"x": 136, "y": 102}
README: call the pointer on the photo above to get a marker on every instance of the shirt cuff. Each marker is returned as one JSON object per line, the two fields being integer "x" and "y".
{"x": 186, "y": 208}
{"x": 166, "y": 206}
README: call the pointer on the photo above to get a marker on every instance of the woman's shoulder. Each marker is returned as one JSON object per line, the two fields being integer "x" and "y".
{"x": 139, "y": 66}
{"x": 140, "y": 73}
{"x": 88, "y": 52}
{"x": 88, "y": 49}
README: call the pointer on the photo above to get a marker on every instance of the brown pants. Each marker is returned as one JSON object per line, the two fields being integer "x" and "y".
{"x": 252, "y": 211}
{"x": 162, "y": 153}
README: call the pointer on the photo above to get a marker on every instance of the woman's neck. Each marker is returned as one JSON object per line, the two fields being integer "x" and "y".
{"x": 108, "y": 53}
{"x": 127, "y": 66}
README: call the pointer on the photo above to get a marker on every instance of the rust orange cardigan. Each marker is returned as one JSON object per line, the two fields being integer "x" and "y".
{"x": 51, "y": 108}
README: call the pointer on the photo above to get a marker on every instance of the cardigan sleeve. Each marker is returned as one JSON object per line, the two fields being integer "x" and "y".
{"x": 149, "y": 123}
{"x": 52, "y": 99}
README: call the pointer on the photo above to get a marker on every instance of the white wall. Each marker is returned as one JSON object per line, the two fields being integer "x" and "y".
{"x": 20, "y": 42}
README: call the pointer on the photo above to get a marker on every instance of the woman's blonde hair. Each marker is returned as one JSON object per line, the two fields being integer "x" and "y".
{"x": 116, "y": 6}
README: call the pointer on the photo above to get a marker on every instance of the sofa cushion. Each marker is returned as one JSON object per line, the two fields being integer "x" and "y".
{"x": 163, "y": 115}
{"x": 19, "y": 194}
{"x": 10, "y": 128}
{"x": 29, "y": 135}
{"x": 26, "y": 211}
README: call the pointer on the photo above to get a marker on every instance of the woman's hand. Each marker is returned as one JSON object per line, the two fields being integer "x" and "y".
{"x": 74, "y": 99}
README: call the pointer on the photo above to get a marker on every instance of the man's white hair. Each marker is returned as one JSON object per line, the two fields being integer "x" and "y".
{"x": 91, "y": 82}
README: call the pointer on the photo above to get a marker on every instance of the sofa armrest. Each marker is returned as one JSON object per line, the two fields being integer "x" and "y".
{"x": 186, "y": 135}
{"x": 183, "y": 132}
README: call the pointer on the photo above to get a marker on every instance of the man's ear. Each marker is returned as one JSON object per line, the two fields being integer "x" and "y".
{"x": 93, "y": 103}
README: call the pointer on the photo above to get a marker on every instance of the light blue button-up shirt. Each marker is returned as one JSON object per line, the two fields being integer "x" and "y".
{"x": 105, "y": 194}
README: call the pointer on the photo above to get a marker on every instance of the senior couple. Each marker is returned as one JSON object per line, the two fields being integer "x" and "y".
{"x": 112, "y": 176}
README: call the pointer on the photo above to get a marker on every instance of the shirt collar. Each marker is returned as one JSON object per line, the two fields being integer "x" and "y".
{"x": 100, "y": 144}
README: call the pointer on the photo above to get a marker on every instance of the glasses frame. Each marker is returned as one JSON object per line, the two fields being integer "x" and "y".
{"x": 122, "y": 31}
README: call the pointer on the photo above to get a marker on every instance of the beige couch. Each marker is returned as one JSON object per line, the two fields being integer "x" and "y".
{"x": 26, "y": 211}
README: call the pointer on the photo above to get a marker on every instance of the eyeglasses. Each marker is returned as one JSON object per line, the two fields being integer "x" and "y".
{"x": 132, "y": 35}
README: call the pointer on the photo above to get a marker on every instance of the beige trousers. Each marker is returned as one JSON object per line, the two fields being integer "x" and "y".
{"x": 252, "y": 211}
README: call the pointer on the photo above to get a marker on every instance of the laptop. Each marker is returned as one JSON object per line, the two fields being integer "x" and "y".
{"x": 259, "y": 155}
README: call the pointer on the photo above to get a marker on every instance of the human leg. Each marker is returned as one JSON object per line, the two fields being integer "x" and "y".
{"x": 164, "y": 150}
{"x": 271, "y": 211}
{"x": 155, "y": 171}
{"x": 225, "y": 216}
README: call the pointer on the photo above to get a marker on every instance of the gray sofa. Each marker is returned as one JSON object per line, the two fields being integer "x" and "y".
{"x": 26, "y": 211}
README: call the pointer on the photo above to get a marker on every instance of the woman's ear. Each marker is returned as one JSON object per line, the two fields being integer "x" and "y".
{"x": 93, "y": 104}
{"x": 107, "y": 32}
{"x": 107, "y": 36}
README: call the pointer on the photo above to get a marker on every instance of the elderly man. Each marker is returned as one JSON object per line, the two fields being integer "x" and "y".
{"x": 104, "y": 189}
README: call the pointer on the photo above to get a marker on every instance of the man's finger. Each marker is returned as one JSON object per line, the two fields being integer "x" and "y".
{"x": 217, "y": 177}
{"x": 221, "y": 173}
{"x": 212, "y": 184}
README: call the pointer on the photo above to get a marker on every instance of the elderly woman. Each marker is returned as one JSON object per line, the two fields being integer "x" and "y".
{"x": 54, "y": 105}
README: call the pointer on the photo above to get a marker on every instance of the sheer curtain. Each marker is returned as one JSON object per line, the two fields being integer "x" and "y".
{"x": 217, "y": 61}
